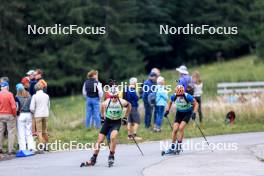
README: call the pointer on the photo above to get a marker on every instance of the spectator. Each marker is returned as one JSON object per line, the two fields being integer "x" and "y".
{"x": 93, "y": 92}
{"x": 148, "y": 87}
{"x": 39, "y": 106}
{"x": 134, "y": 117}
{"x": 161, "y": 103}
{"x": 24, "y": 120}
{"x": 198, "y": 91}
{"x": 7, "y": 116}
{"x": 185, "y": 80}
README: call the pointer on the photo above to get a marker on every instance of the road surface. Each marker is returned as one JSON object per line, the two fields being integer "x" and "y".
{"x": 129, "y": 161}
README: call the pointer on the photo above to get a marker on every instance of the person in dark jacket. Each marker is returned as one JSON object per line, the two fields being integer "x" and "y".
{"x": 148, "y": 87}
{"x": 93, "y": 92}
{"x": 134, "y": 117}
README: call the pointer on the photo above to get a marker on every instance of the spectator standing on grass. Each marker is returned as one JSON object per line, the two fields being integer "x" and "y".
{"x": 161, "y": 103}
{"x": 7, "y": 116}
{"x": 24, "y": 120}
{"x": 134, "y": 117}
{"x": 40, "y": 106}
{"x": 93, "y": 92}
{"x": 148, "y": 87}
{"x": 198, "y": 91}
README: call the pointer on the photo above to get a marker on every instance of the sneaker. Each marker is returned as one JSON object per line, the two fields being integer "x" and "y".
{"x": 158, "y": 130}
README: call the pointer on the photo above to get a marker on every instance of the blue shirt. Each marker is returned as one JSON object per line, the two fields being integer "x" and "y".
{"x": 181, "y": 104}
{"x": 132, "y": 97}
{"x": 147, "y": 88}
{"x": 161, "y": 96}
{"x": 185, "y": 80}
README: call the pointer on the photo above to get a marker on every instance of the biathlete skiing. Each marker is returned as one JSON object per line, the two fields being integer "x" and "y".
{"x": 186, "y": 108}
{"x": 112, "y": 112}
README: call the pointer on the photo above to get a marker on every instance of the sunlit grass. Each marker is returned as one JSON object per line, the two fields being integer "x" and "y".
{"x": 67, "y": 118}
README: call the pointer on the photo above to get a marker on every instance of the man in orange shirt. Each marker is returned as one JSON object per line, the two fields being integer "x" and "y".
{"x": 7, "y": 115}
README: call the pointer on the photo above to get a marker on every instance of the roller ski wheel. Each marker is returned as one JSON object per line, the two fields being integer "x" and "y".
{"x": 111, "y": 161}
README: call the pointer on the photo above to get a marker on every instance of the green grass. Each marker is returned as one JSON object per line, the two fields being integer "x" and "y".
{"x": 67, "y": 118}
{"x": 236, "y": 70}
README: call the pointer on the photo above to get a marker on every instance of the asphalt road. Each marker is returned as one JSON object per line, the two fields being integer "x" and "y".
{"x": 130, "y": 162}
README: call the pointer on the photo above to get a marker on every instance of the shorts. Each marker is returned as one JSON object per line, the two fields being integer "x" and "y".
{"x": 42, "y": 125}
{"x": 134, "y": 116}
{"x": 183, "y": 116}
{"x": 110, "y": 125}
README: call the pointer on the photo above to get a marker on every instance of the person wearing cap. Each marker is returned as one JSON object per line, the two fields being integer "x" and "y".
{"x": 134, "y": 117}
{"x": 93, "y": 92}
{"x": 112, "y": 112}
{"x": 148, "y": 87}
{"x": 26, "y": 83}
{"x": 39, "y": 107}
{"x": 185, "y": 79}
{"x": 7, "y": 116}
{"x": 161, "y": 103}
{"x": 24, "y": 119}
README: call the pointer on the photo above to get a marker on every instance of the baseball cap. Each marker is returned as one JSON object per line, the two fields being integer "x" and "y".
{"x": 19, "y": 87}
{"x": 25, "y": 80}
{"x": 30, "y": 72}
{"x": 4, "y": 84}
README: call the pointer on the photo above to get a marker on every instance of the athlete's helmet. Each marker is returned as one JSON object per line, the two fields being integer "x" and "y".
{"x": 113, "y": 91}
{"x": 179, "y": 90}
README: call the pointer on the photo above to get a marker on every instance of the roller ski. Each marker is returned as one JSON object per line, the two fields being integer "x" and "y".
{"x": 111, "y": 160}
{"x": 91, "y": 162}
{"x": 174, "y": 150}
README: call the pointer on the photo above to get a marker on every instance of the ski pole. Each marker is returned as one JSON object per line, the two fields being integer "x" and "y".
{"x": 137, "y": 145}
{"x": 168, "y": 121}
{"x": 202, "y": 134}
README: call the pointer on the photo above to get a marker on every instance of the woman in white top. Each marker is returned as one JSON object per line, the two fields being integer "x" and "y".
{"x": 198, "y": 91}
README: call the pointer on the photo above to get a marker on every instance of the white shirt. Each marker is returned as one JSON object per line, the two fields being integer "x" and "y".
{"x": 40, "y": 104}
{"x": 198, "y": 90}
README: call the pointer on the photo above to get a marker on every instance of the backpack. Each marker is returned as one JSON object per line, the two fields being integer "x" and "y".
{"x": 152, "y": 98}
